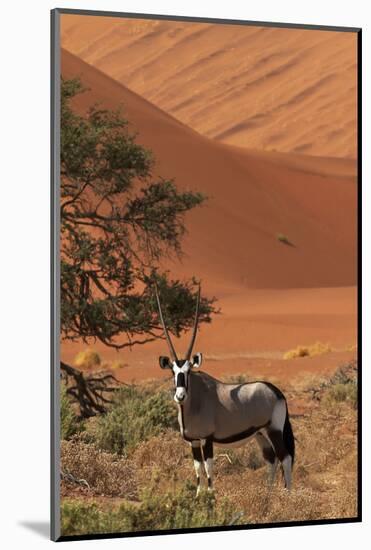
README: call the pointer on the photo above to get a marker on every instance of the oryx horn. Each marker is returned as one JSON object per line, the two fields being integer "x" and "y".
{"x": 170, "y": 344}
{"x": 189, "y": 352}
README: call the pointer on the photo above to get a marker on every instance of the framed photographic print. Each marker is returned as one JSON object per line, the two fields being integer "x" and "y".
{"x": 206, "y": 186}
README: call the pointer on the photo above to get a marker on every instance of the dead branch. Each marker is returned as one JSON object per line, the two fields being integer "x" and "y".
{"x": 92, "y": 393}
{"x": 67, "y": 476}
{"x": 224, "y": 455}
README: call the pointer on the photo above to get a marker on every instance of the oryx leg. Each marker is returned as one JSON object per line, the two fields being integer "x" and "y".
{"x": 208, "y": 455}
{"x": 268, "y": 454}
{"x": 197, "y": 461}
{"x": 275, "y": 433}
{"x": 276, "y": 438}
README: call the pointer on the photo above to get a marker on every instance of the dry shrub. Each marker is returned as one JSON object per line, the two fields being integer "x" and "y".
{"x": 165, "y": 449}
{"x": 229, "y": 461}
{"x": 105, "y": 473}
{"x": 308, "y": 351}
{"x": 263, "y": 504}
{"x": 87, "y": 359}
{"x": 166, "y": 459}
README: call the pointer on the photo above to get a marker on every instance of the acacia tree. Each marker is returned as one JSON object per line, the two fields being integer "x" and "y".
{"x": 117, "y": 223}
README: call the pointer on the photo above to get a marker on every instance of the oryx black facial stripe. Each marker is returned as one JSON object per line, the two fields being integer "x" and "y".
{"x": 180, "y": 380}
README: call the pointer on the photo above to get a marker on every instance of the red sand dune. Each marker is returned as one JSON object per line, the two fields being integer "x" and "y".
{"x": 258, "y": 87}
{"x": 253, "y": 197}
{"x": 273, "y": 296}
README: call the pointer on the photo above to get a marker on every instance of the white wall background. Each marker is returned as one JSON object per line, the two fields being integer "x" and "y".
{"x": 24, "y": 272}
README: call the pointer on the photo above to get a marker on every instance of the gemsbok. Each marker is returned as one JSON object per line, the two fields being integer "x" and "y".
{"x": 227, "y": 415}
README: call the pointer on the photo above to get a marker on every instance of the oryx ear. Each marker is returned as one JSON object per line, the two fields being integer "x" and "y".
{"x": 164, "y": 362}
{"x": 197, "y": 360}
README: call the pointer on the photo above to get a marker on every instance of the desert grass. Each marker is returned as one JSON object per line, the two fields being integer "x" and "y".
{"x": 308, "y": 351}
{"x": 87, "y": 359}
{"x": 160, "y": 468}
{"x": 282, "y": 238}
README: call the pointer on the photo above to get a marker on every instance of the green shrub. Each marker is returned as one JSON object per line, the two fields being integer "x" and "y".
{"x": 70, "y": 423}
{"x": 343, "y": 392}
{"x": 342, "y": 386}
{"x": 136, "y": 415}
{"x": 177, "y": 510}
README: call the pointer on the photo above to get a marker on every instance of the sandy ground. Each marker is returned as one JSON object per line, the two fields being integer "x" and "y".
{"x": 258, "y": 87}
{"x": 251, "y": 335}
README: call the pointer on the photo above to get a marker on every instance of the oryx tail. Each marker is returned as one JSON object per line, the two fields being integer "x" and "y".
{"x": 288, "y": 436}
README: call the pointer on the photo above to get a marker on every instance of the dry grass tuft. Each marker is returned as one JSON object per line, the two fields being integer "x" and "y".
{"x": 118, "y": 364}
{"x": 308, "y": 351}
{"x": 283, "y": 239}
{"x": 87, "y": 359}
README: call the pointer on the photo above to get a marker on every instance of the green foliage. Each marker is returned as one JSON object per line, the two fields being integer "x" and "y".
{"x": 177, "y": 510}
{"x": 78, "y": 519}
{"x": 70, "y": 424}
{"x": 136, "y": 415}
{"x": 117, "y": 222}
